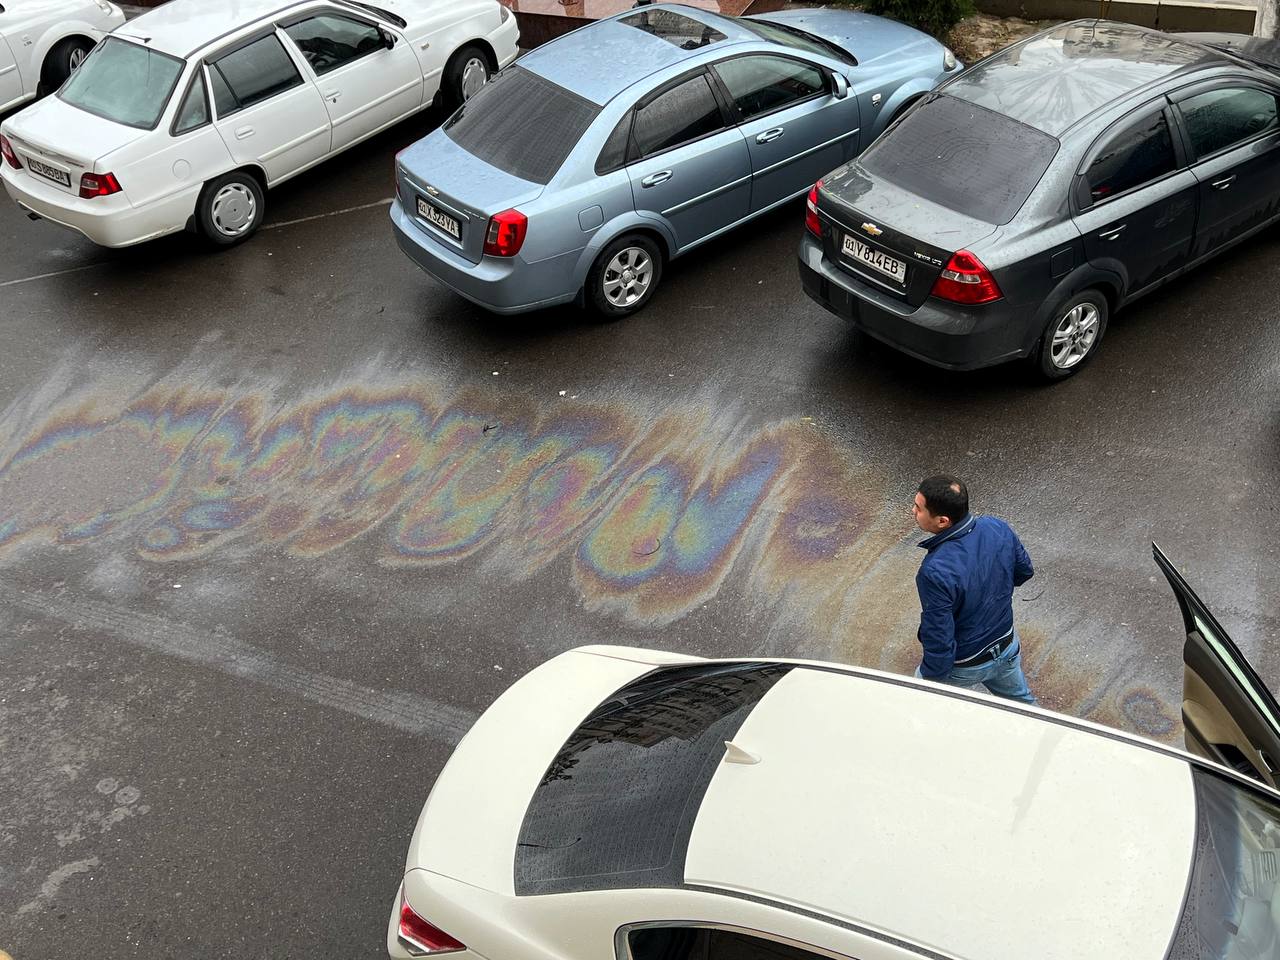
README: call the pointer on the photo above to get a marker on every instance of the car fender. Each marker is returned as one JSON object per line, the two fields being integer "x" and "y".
{"x": 436, "y": 42}
{"x": 55, "y": 34}
{"x": 909, "y": 90}
{"x": 1086, "y": 276}
{"x": 607, "y": 232}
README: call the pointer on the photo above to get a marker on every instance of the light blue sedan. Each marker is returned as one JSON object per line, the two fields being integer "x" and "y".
{"x": 579, "y": 171}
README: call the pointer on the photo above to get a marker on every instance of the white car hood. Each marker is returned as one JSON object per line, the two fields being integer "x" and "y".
{"x": 56, "y": 128}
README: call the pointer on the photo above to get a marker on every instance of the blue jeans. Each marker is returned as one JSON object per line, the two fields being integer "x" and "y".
{"x": 1002, "y": 676}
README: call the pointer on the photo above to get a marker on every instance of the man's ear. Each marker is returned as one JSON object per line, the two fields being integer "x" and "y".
{"x": 943, "y": 522}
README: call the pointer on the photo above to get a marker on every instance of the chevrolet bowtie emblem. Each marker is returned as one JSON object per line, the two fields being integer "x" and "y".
{"x": 435, "y": 193}
{"x": 871, "y": 228}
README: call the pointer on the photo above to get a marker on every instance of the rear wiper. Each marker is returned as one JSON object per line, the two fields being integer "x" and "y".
{"x": 399, "y": 21}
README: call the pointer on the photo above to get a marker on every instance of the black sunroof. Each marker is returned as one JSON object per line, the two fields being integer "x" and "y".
{"x": 675, "y": 28}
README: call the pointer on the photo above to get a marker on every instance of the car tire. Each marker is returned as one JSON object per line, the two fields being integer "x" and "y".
{"x": 1072, "y": 335}
{"x": 62, "y": 62}
{"x": 468, "y": 70}
{"x": 230, "y": 208}
{"x": 624, "y": 276}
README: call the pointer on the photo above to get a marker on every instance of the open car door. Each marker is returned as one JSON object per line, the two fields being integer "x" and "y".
{"x": 1228, "y": 713}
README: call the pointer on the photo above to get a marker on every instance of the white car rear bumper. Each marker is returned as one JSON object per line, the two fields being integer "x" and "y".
{"x": 107, "y": 221}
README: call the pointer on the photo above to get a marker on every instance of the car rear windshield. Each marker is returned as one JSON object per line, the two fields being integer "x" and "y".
{"x": 964, "y": 157}
{"x": 617, "y": 805}
{"x": 125, "y": 82}
{"x": 1232, "y": 909}
{"x": 522, "y": 124}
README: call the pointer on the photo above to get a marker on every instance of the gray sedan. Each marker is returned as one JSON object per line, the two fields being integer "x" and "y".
{"x": 577, "y": 173}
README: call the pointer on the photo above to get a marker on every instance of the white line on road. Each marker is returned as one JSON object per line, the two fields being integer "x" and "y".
{"x": 332, "y": 213}
{"x": 214, "y": 648}
{"x": 56, "y": 273}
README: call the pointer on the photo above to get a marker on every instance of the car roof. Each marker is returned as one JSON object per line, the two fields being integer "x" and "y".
{"x": 1057, "y": 78}
{"x": 574, "y": 60}
{"x": 871, "y": 804}
{"x": 180, "y": 27}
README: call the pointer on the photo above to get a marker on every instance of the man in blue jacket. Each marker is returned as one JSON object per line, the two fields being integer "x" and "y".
{"x": 966, "y": 593}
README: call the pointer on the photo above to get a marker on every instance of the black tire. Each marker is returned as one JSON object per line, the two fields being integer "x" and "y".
{"x": 634, "y": 251}
{"x": 1061, "y": 352}
{"x": 460, "y": 72}
{"x": 62, "y": 61}
{"x": 230, "y": 208}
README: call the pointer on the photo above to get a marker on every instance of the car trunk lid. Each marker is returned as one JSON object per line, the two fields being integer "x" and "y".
{"x": 64, "y": 141}
{"x": 446, "y": 188}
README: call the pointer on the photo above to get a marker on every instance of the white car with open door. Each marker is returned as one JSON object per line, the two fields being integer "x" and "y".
{"x": 186, "y": 115}
{"x": 42, "y": 41}
{"x": 640, "y": 805}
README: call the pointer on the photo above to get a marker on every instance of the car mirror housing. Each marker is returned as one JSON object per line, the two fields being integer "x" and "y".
{"x": 839, "y": 86}
{"x": 388, "y": 38}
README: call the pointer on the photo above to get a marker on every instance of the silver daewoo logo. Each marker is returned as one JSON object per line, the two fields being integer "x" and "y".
{"x": 435, "y": 193}
{"x": 871, "y": 228}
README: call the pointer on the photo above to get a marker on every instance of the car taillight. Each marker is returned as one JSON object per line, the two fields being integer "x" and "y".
{"x": 98, "y": 185}
{"x": 965, "y": 280}
{"x": 506, "y": 233}
{"x": 811, "y": 221}
{"x": 423, "y": 938}
{"x": 7, "y": 149}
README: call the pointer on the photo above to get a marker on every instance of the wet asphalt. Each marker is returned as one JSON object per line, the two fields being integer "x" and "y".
{"x": 277, "y": 523}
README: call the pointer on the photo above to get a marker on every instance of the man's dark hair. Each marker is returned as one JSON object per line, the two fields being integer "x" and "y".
{"x": 945, "y": 496}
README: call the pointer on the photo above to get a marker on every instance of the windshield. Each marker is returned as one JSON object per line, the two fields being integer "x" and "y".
{"x": 790, "y": 36}
{"x": 1233, "y": 900}
{"x": 384, "y": 14}
{"x": 125, "y": 82}
{"x": 616, "y": 807}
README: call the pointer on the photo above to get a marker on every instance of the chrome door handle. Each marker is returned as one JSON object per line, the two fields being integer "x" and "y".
{"x": 243, "y": 133}
{"x": 653, "y": 179}
{"x": 332, "y": 95}
{"x": 1224, "y": 182}
{"x": 769, "y": 135}
{"x": 1113, "y": 233}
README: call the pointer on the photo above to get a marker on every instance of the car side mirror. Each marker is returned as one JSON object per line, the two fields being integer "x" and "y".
{"x": 388, "y": 38}
{"x": 839, "y": 86}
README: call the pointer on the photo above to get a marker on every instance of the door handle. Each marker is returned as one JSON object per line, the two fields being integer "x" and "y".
{"x": 770, "y": 135}
{"x": 1224, "y": 182}
{"x": 332, "y": 95}
{"x": 1113, "y": 233}
{"x": 243, "y": 133}
{"x": 653, "y": 179}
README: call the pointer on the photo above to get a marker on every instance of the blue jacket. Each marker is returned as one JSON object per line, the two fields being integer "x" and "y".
{"x": 966, "y": 590}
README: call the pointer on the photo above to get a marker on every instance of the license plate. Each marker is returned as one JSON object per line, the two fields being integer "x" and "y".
{"x": 442, "y": 220}
{"x": 873, "y": 258}
{"x": 48, "y": 172}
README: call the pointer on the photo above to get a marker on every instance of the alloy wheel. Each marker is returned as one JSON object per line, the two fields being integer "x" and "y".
{"x": 233, "y": 210}
{"x": 1075, "y": 335}
{"x": 627, "y": 277}
{"x": 77, "y": 57}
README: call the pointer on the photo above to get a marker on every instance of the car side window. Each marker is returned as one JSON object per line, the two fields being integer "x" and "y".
{"x": 329, "y": 41}
{"x": 614, "y": 152}
{"x": 704, "y": 943}
{"x": 194, "y": 111}
{"x": 1219, "y": 118}
{"x": 763, "y": 84}
{"x": 253, "y": 73}
{"x": 1139, "y": 154}
{"x": 683, "y": 113}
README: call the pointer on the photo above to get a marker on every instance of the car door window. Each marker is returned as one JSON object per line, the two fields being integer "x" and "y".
{"x": 329, "y": 41}
{"x": 764, "y": 84}
{"x": 708, "y": 943}
{"x": 679, "y": 115}
{"x": 1219, "y": 118}
{"x": 253, "y": 73}
{"x": 1139, "y": 154}
{"x": 194, "y": 111}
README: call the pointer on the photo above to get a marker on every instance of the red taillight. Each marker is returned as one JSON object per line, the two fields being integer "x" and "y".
{"x": 965, "y": 280}
{"x": 98, "y": 185}
{"x": 7, "y": 149}
{"x": 811, "y": 221}
{"x": 422, "y": 936}
{"x": 506, "y": 233}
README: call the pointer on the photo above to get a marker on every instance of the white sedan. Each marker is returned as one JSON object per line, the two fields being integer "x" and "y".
{"x": 185, "y": 116}
{"x": 42, "y": 41}
{"x": 638, "y": 805}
